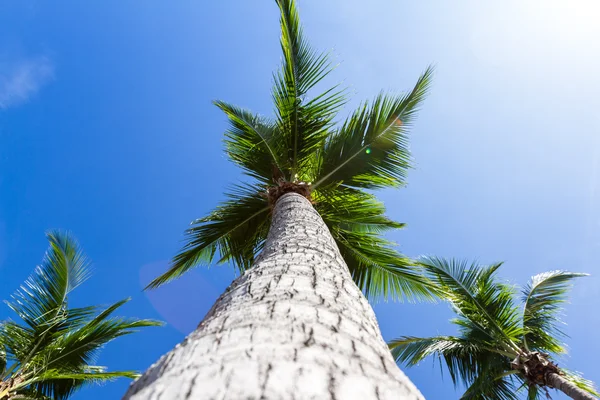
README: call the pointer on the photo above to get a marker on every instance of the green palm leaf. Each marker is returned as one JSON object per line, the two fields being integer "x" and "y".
{"x": 486, "y": 304}
{"x": 542, "y": 299}
{"x": 412, "y": 350}
{"x": 463, "y": 358}
{"x": 2, "y": 358}
{"x": 42, "y": 298}
{"x": 371, "y": 149}
{"x": 302, "y": 67}
{"x": 356, "y": 220}
{"x": 42, "y": 301}
{"x": 378, "y": 269}
{"x": 533, "y": 392}
{"x": 49, "y": 355}
{"x": 59, "y": 384}
{"x": 346, "y": 207}
{"x": 581, "y": 382}
{"x": 80, "y": 346}
{"x": 236, "y": 229}
{"x": 489, "y": 355}
{"x": 251, "y": 143}
{"x": 95, "y": 375}
{"x": 18, "y": 342}
{"x": 485, "y": 387}
{"x": 467, "y": 361}
{"x": 302, "y": 124}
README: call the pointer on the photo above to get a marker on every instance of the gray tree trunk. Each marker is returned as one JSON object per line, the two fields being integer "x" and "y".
{"x": 560, "y": 383}
{"x": 295, "y": 326}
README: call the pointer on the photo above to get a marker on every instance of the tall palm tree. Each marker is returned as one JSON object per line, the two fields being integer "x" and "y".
{"x": 306, "y": 237}
{"x": 502, "y": 347}
{"x": 50, "y": 353}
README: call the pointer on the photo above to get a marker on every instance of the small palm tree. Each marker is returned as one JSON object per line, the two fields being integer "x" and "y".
{"x": 305, "y": 233}
{"x": 50, "y": 354}
{"x": 501, "y": 347}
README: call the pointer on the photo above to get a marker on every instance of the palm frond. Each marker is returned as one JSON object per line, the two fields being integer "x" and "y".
{"x": 42, "y": 298}
{"x": 533, "y": 392}
{"x": 19, "y": 341}
{"x": 543, "y": 298}
{"x": 371, "y": 149}
{"x": 462, "y": 358}
{"x": 301, "y": 123}
{"x": 483, "y": 354}
{"x": 488, "y": 305}
{"x": 78, "y": 348}
{"x": 236, "y": 229}
{"x": 302, "y": 67}
{"x": 59, "y": 384}
{"x": 62, "y": 366}
{"x": 49, "y": 354}
{"x": 356, "y": 221}
{"x": 581, "y": 382}
{"x": 346, "y": 207}
{"x": 251, "y": 142}
{"x": 485, "y": 387}
{"x": 378, "y": 269}
{"x": 3, "y": 361}
{"x": 42, "y": 301}
{"x": 92, "y": 376}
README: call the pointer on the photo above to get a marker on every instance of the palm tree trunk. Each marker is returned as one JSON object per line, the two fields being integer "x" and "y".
{"x": 560, "y": 383}
{"x": 295, "y": 326}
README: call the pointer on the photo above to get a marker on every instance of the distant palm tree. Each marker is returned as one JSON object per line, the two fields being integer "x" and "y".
{"x": 306, "y": 210}
{"x": 49, "y": 354}
{"x": 501, "y": 347}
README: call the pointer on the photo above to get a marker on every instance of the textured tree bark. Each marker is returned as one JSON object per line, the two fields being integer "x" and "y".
{"x": 560, "y": 383}
{"x": 295, "y": 326}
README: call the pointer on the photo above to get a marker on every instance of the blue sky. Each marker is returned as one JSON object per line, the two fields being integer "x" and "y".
{"x": 107, "y": 129}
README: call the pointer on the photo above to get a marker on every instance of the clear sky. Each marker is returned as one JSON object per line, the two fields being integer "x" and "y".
{"x": 107, "y": 129}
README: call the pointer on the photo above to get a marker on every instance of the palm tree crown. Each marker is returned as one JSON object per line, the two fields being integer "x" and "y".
{"x": 501, "y": 347}
{"x": 301, "y": 149}
{"x": 51, "y": 353}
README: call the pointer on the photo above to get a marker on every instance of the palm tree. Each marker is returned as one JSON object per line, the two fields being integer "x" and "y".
{"x": 305, "y": 236}
{"x": 501, "y": 347}
{"x": 51, "y": 353}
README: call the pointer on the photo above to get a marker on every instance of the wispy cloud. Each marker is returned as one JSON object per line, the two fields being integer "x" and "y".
{"x": 21, "y": 80}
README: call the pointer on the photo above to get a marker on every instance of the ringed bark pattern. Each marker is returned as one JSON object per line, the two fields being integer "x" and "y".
{"x": 294, "y": 326}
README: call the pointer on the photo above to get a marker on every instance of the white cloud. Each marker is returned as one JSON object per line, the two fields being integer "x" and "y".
{"x": 21, "y": 80}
